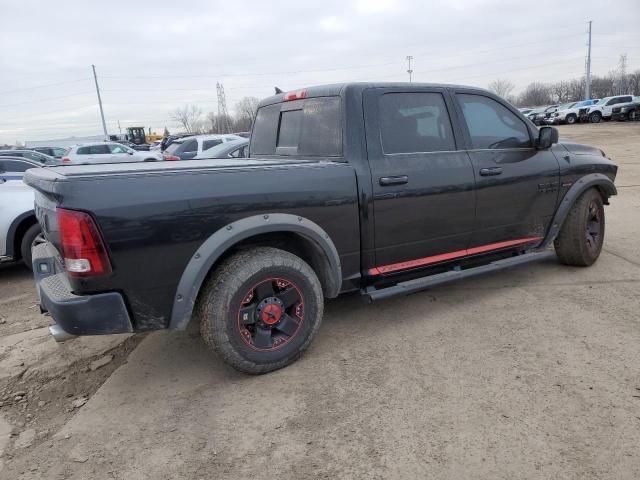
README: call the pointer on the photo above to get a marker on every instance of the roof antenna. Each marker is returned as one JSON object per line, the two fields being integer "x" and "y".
{"x": 278, "y": 91}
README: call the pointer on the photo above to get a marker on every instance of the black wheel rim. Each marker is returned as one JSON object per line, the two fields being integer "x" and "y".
{"x": 594, "y": 226}
{"x": 270, "y": 314}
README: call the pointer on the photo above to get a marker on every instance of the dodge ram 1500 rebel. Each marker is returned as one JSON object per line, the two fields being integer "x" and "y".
{"x": 385, "y": 189}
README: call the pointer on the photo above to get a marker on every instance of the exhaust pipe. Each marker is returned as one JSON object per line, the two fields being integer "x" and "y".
{"x": 60, "y": 335}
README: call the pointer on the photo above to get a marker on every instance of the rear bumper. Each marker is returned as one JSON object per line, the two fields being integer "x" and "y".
{"x": 97, "y": 314}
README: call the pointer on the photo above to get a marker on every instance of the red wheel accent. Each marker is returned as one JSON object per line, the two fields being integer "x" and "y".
{"x": 270, "y": 314}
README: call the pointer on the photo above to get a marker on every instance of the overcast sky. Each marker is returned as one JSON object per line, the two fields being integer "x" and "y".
{"x": 153, "y": 56}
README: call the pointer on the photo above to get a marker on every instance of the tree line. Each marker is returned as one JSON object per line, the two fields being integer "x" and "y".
{"x": 616, "y": 82}
{"x": 193, "y": 120}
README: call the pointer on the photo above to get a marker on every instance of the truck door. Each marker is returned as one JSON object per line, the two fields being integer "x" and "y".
{"x": 516, "y": 184}
{"x": 423, "y": 186}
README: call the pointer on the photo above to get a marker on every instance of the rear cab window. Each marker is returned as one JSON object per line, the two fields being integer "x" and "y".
{"x": 310, "y": 127}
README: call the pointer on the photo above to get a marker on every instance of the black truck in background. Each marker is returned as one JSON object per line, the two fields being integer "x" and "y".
{"x": 385, "y": 189}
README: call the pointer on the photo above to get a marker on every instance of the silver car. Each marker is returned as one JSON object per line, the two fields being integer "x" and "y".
{"x": 107, "y": 152}
{"x": 19, "y": 229}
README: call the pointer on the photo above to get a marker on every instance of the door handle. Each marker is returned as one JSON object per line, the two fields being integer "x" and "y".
{"x": 397, "y": 180}
{"x": 487, "y": 172}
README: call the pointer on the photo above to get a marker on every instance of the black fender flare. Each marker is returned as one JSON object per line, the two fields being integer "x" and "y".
{"x": 11, "y": 233}
{"x": 588, "y": 181}
{"x": 217, "y": 244}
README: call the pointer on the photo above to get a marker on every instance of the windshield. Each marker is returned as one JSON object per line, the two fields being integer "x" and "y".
{"x": 583, "y": 103}
{"x": 213, "y": 152}
{"x": 566, "y": 106}
{"x": 602, "y": 101}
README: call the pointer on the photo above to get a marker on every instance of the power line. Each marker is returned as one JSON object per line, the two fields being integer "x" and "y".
{"x": 44, "y": 86}
{"x": 45, "y": 99}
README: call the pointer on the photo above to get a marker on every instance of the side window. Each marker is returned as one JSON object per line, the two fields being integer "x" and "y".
{"x": 626, "y": 100}
{"x": 99, "y": 149}
{"x": 238, "y": 153}
{"x": 414, "y": 122}
{"x": 17, "y": 166}
{"x": 613, "y": 101}
{"x": 117, "y": 149}
{"x": 83, "y": 151}
{"x": 207, "y": 144}
{"x": 190, "y": 146}
{"x": 60, "y": 152}
{"x": 491, "y": 125}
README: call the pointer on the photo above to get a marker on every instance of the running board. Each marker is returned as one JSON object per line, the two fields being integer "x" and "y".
{"x": 372, "y": 294}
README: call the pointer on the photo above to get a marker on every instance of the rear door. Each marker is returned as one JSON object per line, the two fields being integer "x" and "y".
{"x": 516, "y": 184}
{"x": 423, "y": 186}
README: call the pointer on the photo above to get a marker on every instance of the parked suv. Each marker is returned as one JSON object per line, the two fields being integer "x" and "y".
{"x": 603, "y": 109}
{"x": 19, "y": 229}
{"x": 539, "y": 115}
{"x": 187, "y": 148}
{"x": 55, "y": 152}
{"x": 106, "y": 152}
{"x": 626, "y": 111}
{"x": 568, "y": 113}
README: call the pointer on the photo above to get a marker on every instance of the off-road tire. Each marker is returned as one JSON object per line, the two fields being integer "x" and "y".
{"x": 223, "y": 296}
{"x": 571, "y": 119}
{"x": 27, "y": 241}
{"x": 572, "y": 246}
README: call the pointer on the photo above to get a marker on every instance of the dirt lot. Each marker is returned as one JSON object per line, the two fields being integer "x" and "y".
{"x": 531, "y": 373}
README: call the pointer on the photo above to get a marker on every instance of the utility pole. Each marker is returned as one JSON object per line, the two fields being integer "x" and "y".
{"x": 588, "y": 86}
{"x": 223, "y": 114}
{"x": 409, "y": 71}
{"x": 119, "y": 128}
{"x": 104, "y": 125}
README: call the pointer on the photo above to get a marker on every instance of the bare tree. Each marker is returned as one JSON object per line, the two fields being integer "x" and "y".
{"x": 245, "y": 112}
{"x": 501, "y": 87}
{"x": 561, "y": 91}
{"x": 535, "y": 94}
{"x": 188, "y": 117}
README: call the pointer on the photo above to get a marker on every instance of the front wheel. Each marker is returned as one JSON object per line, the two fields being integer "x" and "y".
{"x": 260, "y": 309}
{"x": 571, "y": 119}
{"x": 580, "y": 240}
{"x": 595, "y": 117}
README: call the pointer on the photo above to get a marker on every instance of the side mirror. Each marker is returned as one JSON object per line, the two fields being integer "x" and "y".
{"x": 130, "y": 152}
{"x": 547, "y": 136}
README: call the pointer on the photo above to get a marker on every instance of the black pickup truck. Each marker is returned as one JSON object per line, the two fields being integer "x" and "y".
{"x": 385, "y": 189}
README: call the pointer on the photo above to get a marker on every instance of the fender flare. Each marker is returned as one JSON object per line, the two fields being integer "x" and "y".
{"x": 580, "y": 186}
{"x": 11, "y": 233}
{"x": 217, "y": 244}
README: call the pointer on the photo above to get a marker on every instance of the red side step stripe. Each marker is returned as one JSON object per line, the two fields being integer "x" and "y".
{"x": 419, "y": 262}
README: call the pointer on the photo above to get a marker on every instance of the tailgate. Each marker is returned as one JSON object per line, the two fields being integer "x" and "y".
{"x": 44, "y": 182}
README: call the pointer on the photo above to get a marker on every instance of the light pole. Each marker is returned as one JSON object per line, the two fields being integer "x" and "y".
{"x": 409, "y": 70}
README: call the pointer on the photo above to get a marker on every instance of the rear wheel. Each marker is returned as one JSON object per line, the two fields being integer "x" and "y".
{"x": 30, "y": 238}
{"x": 595, "y": 117}
{"x": 260, "y": 309}
{"x": 571, "y": 119}
{"x": 580, "y": 240}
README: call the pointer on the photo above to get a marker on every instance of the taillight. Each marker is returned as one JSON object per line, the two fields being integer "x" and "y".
{"x": 171, "y": 157}
{"x": 295, "y": 95}
{"x": 66, "y": 160}
{"x": 82, "y": 246}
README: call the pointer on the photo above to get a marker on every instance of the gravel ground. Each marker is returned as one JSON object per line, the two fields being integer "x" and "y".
{"x": 530, "y": 373}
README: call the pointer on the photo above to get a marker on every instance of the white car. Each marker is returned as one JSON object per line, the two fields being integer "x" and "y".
{"x": 107, "y": 152}
{"x": 568, "y": 113}
{"x": 186, "y": 148}
{"x": 604, "y": 108}
{"x": 19, "y": 229}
